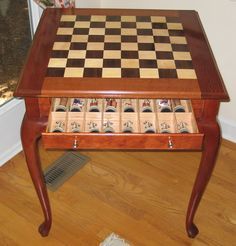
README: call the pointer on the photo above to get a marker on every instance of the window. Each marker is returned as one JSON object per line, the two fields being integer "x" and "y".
{"x": 15, "y": 39}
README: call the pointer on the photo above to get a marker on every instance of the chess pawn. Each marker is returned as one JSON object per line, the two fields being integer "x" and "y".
{"x": 164, "y": 105}
{"x": 177, "y": 106}
{"x": 93, "y": 106}
{"x": 59, "y": 126}
{"x": 164, "y": 128}
{"x": 148, "y": 127}
{"x": 146, "y": 106}
{"x": 75, "y": 127}
{"x": 61, "y": 107}
{"x": 111, "y": 105}
{"x": 128, "y": 106}
{"x": 77, "y": 105}
{"x": 182, "y": 127}
{"x": 93, "y": 127}
{"x": 108, "y": 127}
{"x": 128, "y": 127}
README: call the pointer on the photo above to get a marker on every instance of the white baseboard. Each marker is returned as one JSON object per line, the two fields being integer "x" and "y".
{"x": 228, "y": 129}
{"x": 11, "y": 115}
{"x": 8, "y": 154}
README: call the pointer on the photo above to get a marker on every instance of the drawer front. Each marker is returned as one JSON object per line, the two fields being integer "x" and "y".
{"x": 122, "y": 141}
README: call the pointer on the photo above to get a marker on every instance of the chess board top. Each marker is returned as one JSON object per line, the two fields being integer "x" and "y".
{"x": 102, "y": 53}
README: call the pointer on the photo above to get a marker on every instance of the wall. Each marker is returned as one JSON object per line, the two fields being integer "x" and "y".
{"x": 88, "y": 4}
{"x": 11, "y": 115}
{"x": 219, "y": 21}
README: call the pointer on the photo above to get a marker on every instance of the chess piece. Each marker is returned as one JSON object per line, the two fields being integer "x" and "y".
{"x": 165, "y": 128}
{"x": 146, "y": 106}
{"x": 128, "y": 127}
{"x": 148, "y": 127}
{"x": 164, "y": 105}
{"x": 77, "y": 105}
{"x": 93, "y": 127}
{"x": 128, "y": 106}
{"x": 59, "y": 126}
{"x": 61, "y": 107}
{"x": 111, "y": 105}
{"x": 75, "y": 127}
{"x": 182, "y": 127}
{"x": 93, "y": 106}
{"x": 108, "y": 127}
{"x": 177, "y": 106}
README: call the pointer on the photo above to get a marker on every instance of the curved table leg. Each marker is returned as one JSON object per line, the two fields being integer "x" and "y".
{"x": 209, "y": 154}
{"x": 30, "y": 133}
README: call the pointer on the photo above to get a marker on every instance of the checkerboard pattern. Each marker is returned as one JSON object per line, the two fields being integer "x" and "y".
{"x": 120, "y": 47}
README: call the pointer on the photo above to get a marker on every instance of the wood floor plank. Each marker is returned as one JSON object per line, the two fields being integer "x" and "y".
{"x": 142, "y": 196}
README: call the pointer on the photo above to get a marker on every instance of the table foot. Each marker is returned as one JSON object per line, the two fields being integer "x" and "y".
{"x": 192, "y": 231}
{"x": 44, "y": 228}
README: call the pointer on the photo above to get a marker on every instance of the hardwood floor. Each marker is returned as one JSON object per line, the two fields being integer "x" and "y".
{"x": 142, "y": 196}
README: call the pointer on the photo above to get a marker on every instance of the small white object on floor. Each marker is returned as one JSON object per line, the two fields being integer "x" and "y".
{"x": 114, "y": 240}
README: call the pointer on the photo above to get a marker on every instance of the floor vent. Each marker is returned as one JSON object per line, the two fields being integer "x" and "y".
{"x": 63, "y": 168}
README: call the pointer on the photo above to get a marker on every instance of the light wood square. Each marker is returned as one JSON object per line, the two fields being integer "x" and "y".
{"x": 95, "y": 46}
{"x": 163, "y": 47}
{"x": 112, "y": 54}
{"x": 113, "y": 24}
{"x": 82, "y": 24}
{"x": 144, "y": 25}
{"x": 79, "y": 38}
{"x": 166, "y": 64}
{"x": 145, "y": 39}
{"x": 74, "y": 72}
{"x": 149, "y": 73}
{"x": 93, "y": 63}
{"x": 77, "y": 54}
{"x": 111, "y": 72}
{"x": 97, "y": 31}
{"x": 129, "y": 31}
{"x": 178, "y": 40}
{"x": 99, "y": 18}
{"x": 158, "y": 19}
{"x": 186, "y": 74}
{"x": 182, "y": 55}
{"x": 160, "y": 32}
{"x": 57, "y": 62}
{"x": 68, "y": 17}
{"x": 128, "y": 18}
{"x": 113, "y": 38}
{"x": 65, "y": 31}
{"x": 61, "y": 46}
{"x": 143, "y": 54}
{"x": 129, "y": 46}
{"x": 175, "y": 26}
{"x": 129, "y": 63}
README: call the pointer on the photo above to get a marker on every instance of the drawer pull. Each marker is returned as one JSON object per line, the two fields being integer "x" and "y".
{"x": 75, "y": 144}
{"x": 170, "y": 143}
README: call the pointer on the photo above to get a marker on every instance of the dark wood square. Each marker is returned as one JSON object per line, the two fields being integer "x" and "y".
{"x": 116, "y": 63}
{"x": 168, "y": 73}
{"x": 75, "y": 63}
{"x": 130, "y": 73}
{"x": 93, "y": 72}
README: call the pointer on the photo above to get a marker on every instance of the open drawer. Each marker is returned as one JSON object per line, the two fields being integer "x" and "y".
{"x": 76, "y": 123}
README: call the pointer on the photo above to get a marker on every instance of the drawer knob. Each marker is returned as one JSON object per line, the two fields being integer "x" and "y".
{"x": 170, "y": 143}
{"x": 75, "y": 144}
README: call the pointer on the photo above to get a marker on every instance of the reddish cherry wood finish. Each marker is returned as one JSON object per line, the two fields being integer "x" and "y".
{"x": 207, "y": 91}
{"x": 210, "y": 149}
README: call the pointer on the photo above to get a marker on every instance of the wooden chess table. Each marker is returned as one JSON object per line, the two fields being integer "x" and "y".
{"x": 86, "y": 60}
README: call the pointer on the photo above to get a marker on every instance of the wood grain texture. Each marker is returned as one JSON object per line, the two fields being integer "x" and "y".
{"x": 141, "y": 196}
{"x": 209, "y": 84}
